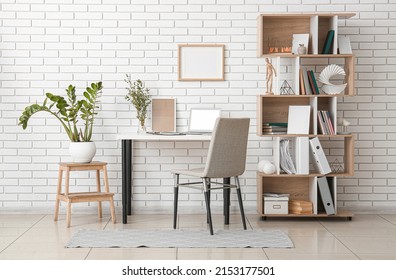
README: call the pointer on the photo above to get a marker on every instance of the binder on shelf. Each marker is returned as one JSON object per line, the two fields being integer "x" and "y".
{"x": 325, "y": 194}
{"x": 302, "y": 155}
{"x": 298, "y": 119}
{"x": 328, "y": 42}
{"x": 318, "y": 156}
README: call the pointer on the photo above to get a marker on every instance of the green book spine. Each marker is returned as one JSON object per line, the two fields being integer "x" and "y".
{"x": 314, "y": 82}
{"x": 328, "y": 42}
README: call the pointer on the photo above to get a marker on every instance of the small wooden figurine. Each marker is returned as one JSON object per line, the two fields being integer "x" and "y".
{"x": 270, "y": 76}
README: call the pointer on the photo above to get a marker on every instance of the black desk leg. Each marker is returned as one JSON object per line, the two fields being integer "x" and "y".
{"x": 129, "y": 176}
{"x": 126, "y": 178}
{"x": 226, "y": 203}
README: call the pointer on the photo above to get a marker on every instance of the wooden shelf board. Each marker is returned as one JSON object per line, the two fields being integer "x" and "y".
{"x": 340, "y": 214}
{"x": 261, "y": 174}
{"x": 303, "y": 96}
{"x": 290, "y": 55}
{"x": 304, "y": 14}
{"x": 309, "y": 135}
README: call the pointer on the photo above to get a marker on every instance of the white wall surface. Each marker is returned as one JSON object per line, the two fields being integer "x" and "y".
{"x": 47, "y": 44}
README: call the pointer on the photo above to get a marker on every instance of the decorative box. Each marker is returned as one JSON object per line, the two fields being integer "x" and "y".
{"x": 276, "y": 205}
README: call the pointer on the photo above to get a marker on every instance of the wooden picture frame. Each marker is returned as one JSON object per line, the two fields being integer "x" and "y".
{"x": 201, "y": 62}
{"x": 163, "y": 114}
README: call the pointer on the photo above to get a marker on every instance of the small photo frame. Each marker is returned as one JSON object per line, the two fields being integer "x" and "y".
{"x": 201, "y": 62}
{"x": 300, "y": 39}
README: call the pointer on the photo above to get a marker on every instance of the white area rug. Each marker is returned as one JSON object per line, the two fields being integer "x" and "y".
{"x": 179, "y": 239}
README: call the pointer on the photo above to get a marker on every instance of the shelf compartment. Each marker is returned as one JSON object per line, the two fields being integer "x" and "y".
{"x": 276, "y": 110}
{"x": 282, "y": 26}
{"x": 298, "y": 187}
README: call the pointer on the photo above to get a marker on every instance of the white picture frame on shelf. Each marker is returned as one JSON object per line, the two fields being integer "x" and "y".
{"x": 201, "y": 62}
{"x": 299, "y": 39}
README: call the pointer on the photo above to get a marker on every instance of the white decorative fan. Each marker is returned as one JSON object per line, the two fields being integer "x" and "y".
{"x": 328, "y": 73}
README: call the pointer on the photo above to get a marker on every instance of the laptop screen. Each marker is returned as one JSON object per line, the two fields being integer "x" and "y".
{"x": 203, "y": 120}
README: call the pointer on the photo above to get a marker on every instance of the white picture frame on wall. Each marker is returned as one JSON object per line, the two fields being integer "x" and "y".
{"x": 201, "y": 62}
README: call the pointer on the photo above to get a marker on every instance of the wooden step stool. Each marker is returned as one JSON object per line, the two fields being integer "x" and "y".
{"x": 83, "y": 196}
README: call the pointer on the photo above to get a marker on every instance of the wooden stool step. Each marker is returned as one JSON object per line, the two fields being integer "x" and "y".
{"x": 77, "y": 197}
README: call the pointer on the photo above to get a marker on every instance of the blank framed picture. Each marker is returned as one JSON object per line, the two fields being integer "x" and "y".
{"x": 163, "y": 114}
{"x": 201, "y": 62}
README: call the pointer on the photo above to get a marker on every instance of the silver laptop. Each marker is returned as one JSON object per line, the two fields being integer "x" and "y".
{"x": 202, "y": 120}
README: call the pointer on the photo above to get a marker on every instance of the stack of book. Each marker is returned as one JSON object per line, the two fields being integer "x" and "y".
{"x": 300, "y": 207}
{"x": 325, "y": 124}
{"x": 308, "y": 84}
{"x": 274, "y": 128}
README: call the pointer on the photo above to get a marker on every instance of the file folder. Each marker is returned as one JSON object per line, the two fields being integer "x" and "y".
{"x": 325, "y": 194}
{"x": 302, "y": 155}
{"x": 318, "y": 156}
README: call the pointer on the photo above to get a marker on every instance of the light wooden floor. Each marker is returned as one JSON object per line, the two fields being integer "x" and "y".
{"x": 39, "y": 237}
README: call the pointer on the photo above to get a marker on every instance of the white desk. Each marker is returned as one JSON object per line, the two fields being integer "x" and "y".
{"x": 127, "y": 150}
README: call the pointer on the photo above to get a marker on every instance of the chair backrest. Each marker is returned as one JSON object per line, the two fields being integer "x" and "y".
{"x": 227, "y": 149}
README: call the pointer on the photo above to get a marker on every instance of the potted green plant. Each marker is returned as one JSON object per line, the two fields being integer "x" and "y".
{"x": 68, "y": 112}
{"x": 139, "y": 96}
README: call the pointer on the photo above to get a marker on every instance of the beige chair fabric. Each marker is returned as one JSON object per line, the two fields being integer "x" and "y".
{"x": 226, "y": 158}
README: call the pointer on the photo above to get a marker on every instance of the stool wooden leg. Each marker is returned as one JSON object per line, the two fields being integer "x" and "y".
{"x": 107, "y": 189}
{"x": 112, "y": 210}
{"x": 68, "y": 212}
{"x": 58, "y": 191}
{"x": 98, "y": 190}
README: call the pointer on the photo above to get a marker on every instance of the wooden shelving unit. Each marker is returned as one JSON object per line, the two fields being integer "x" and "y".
{"x": 274, "y": 108}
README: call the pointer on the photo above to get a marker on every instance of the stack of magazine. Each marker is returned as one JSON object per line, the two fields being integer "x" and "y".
{"x": 286, "y": 162}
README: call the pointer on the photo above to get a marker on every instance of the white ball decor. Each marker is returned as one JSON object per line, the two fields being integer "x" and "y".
{"x": 269, "y": 168}
{"x": 266, "y": 167}
{"x": 328, "y": 73}
{"x": 260, "y": 166}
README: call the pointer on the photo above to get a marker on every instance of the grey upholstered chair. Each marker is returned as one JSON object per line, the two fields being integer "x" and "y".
{"x": 226, "y": 158}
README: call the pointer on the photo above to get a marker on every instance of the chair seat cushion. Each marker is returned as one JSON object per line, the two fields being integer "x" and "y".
{"x": 195, "y": 172}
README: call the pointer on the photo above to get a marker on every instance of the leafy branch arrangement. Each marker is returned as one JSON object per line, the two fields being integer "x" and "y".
{"x": 67, "y": 111}
{"x": 139, "y": 96}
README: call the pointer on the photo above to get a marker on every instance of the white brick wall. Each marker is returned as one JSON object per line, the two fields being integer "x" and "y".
{"x": 47, "y": 44}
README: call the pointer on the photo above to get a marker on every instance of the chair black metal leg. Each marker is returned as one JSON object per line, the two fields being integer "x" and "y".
{"x": 207, "y": 215}
{"x": 207, "y": 202}
{"x": 240, "y": 202}
{"x": 226, "y": 201}
{"x": 175, "y": 200}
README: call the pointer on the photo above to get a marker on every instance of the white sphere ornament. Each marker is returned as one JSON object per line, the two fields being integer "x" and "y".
{"x": 260, "y": 166}
{"x": 269, "y": 168}
{"x": 266, "y": 167}
{"x": 328, "y": 73}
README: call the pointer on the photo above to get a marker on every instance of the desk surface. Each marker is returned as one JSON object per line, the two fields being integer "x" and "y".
{"x": 156, "y": 137}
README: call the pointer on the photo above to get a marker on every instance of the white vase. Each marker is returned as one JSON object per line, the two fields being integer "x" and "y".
{"x": 82, "y": 152}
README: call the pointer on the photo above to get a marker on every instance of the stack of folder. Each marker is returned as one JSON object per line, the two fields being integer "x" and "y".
{"x": 300, "y": 207}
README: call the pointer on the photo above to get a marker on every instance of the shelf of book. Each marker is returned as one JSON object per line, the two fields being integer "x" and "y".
{"x": 297, "y": 84}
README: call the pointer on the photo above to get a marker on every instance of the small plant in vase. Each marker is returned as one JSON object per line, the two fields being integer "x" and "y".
{"x": 67, "y": 111}
{"x": 139, "y": 96}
